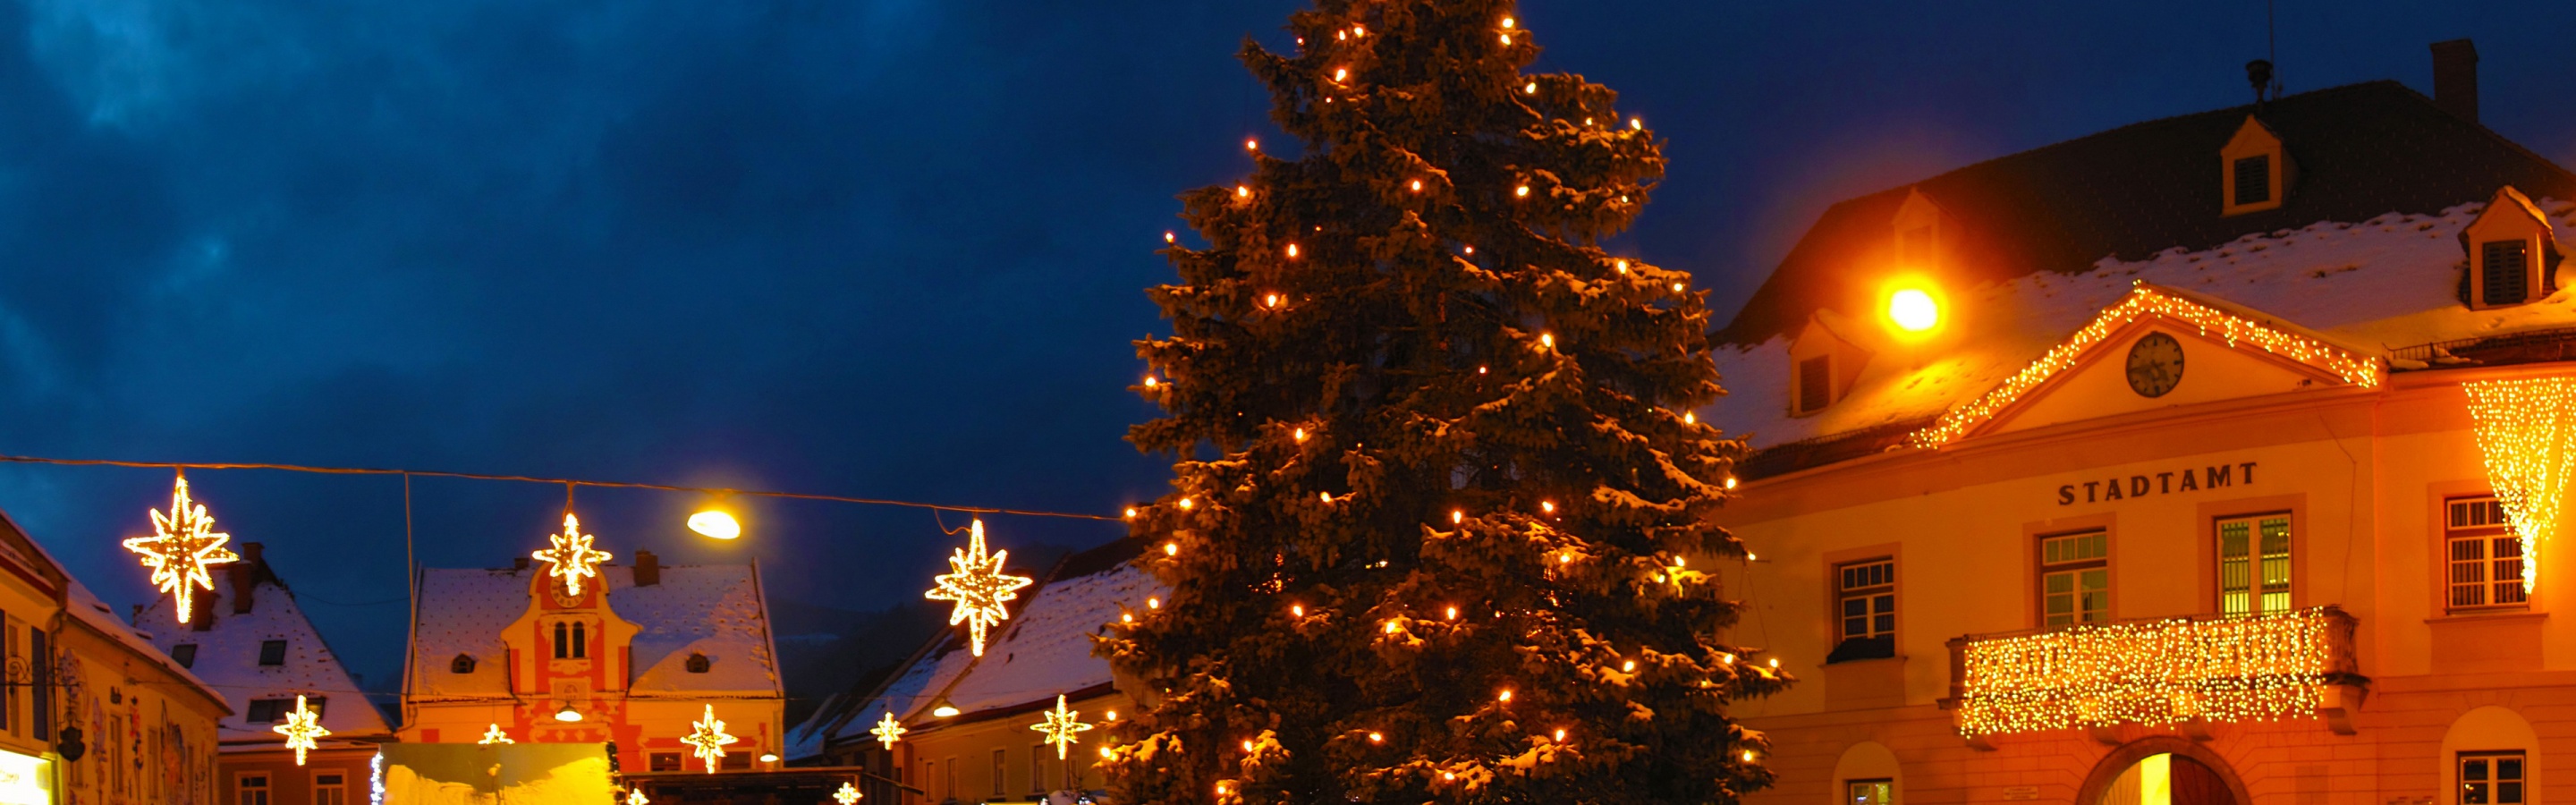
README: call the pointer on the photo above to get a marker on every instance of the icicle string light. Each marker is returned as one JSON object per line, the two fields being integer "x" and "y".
{"x": 2153, "y": 673}
{"x": 2145, "y": 301}
{"x": 2526, "y": 431}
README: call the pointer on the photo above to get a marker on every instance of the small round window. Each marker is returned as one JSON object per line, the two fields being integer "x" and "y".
{"x": 463, "y": 664}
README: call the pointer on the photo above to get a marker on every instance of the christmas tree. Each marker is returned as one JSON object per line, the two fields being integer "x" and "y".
{"x": 1441, "y": 510}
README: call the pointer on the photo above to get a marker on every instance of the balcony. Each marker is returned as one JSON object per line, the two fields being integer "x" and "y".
{"x": 2176, "y": 671}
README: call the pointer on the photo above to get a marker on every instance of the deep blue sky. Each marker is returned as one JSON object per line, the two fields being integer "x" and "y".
{"x": 884, "y": 248}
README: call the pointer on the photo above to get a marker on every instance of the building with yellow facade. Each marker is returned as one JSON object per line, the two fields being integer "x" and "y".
{"x": 2209, "y": 459}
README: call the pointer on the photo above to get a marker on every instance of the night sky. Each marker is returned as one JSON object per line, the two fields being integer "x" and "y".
{"x": 883, "y": 248}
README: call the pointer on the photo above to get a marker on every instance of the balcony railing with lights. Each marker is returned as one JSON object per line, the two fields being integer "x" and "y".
{"x": 2175, "y": 671}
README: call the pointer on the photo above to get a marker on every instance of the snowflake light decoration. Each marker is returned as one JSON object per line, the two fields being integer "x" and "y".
{"x": 300, "y": 729}
{"x": 848, "y": 795}
{"x": 495, "y": 736}
{"x": 182, "y": 544}
{"x": 1061, "y": 728}
{"x": 709, "y": 737}
{"x": 570, "y": 557}
{"x": 888, "y": 730}
{"x": 979, "y": 587}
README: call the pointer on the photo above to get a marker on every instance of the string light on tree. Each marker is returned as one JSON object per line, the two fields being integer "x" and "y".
{"x": 494, "y": 735}
{"x": 302, "y": 728}
{"x": 978, "y": 586}
{"x": 708, "y": 738}
{"x": 1061, "y": 727}
{"x": 183, "y": 543}
{"x": 570, "y": 556}
{"x": 2526, "y": 431}
{"x": 888, "y": 730}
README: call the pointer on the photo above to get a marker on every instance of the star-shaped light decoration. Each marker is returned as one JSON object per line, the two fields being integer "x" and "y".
{"x": 979, "y": 587}
{"x": 888, "y": 730}
{"x": 635, "y": 796}
{"x": 182, "y": 544}
{"x": 709, "y": 737}
{"x": 1060, "y": 727}
{"x": 571, "y": 558}
{"x": 300, "y": 729}
{"x": 495, "y": 736}
{"x": 848, "y": 795}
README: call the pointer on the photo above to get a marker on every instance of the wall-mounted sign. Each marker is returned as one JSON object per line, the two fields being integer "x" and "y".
{"x": 25, "y": 779}
{"x": 2187, "y": 479}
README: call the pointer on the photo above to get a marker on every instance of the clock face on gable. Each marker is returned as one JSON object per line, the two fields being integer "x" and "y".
{"x": 2155, "y": 365}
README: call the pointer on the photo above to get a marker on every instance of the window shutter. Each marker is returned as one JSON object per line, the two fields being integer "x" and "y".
{"x": 2501, "y": 263}
{"x": 2253, "y": 179}
{"x": 1815, "y": 383}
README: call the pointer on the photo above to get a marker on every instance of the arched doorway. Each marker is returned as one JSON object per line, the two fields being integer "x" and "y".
{"x": 2162, "y": 770}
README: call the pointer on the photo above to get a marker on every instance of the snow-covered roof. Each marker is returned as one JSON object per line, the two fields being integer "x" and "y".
{"x": 228, "y": 653}
{"x": 86, "y": 607}
{"x": 2375, "y": 285}
{"x": 1046, "y": 651}
{"x": 715, "y": 610}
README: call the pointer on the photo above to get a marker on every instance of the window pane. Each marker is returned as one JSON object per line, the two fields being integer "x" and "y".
{"x": 2473, "y": 769}
{"x": 2506, "y": 793}
{"x": 1883, "y": 604}
{"x": 1883, "y": 625}
{"x": 1855, "y": 607}
{"x": 2060, "y": 583}
{"x": 2231, "y": 538}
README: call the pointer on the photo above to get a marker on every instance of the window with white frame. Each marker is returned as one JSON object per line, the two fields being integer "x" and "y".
{"x": 330, "y": 789}
{"x": 1037, "y": 769}
{"x": 1865, "y": 610}
{"x": 2483, "y": 555}
{"x": 2491, "y": 778}
{"x": 1001, "y": 783}
{"x": 2254, "y": 564}
{"x": 1869, "y": 792}
{"x": 250, "y": 789}
{"x": 2075, "y": 579}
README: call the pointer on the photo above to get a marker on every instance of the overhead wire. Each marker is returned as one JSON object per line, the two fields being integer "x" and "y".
{"x": 568, "y": 483}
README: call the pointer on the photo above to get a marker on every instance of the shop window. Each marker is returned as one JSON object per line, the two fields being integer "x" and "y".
{"x": 2254, "y": 565}
{"x": 1865, "y": 603}
{"x": 2484, "y": 556}
{"x": 2491, "y": 778}
{"x": 330, "y": 789}
{"x": 2075, "y": 579}
{"x": 250, "y": 789}
{"x": 272, "y": 652}
{"x": 1869, "y": 792}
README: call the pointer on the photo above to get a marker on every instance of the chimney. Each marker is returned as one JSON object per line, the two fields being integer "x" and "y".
{"x": 519, "y": 563}
{"x": 2455, "y": 78}
{"x": 648, "y": 569}
{"x": 244, "y": 574}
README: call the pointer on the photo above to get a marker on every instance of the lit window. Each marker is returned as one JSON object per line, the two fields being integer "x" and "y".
{"x": 2485, "y": 556}
{"x": 272, "y": 652}
{"x": 2491, "y": 778}
{"x": 2254, "y": 179}
{"x": 2254, "y": 564}
{"x": 1865, "y": 600}
{"x": 1815, "y": 384}
{"x": 1869, "y": 792}
{"x": 2075, "y": 579}
{"x": 2504, "y": 266}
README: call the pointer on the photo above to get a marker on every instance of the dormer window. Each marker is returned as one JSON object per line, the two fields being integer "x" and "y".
{"x": 698, "y": 663}
{"x": 1815, "y": 384}
{"x": 272, "y": 652}
{"x": 2255, "y": 173}
{"x": 185, "y": 654}
{"x": 2513, "y": 254}
{"x": 1921, "y": 229}
{"x": 463, "y": 664}
{"x": 1824, "y": 365}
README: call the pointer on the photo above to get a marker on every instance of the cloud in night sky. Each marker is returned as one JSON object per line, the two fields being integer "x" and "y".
{"x": 890, "y": 249}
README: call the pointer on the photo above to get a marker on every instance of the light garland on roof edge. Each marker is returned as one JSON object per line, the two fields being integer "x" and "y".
{"x": 182, "y": 544}
{"x": 2526, "y": 431}
{"x": 2142, "y": 302}
{"x": 979, "y": 587}
{"x": 2153, "y": 673}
